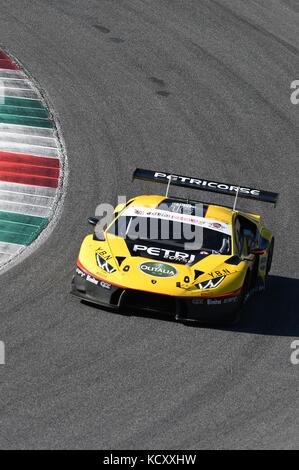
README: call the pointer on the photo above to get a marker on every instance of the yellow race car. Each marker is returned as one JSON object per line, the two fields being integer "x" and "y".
{"x": 196, "y": 261}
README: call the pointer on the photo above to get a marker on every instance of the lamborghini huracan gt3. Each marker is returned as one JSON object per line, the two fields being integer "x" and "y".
{"x": 194, "y": 260}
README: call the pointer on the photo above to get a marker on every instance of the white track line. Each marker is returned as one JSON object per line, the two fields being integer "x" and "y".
{"x": 21, "y": 83}
{"x": 4, "y": 258}
{"x": 12, "y": 74}
{"x": 10, "y": 248}
{"x": 19, "y": 93}
{"x": 29, "y": 149}
{"x": 26, "y": 209}
{"x": 20, "y": 198}
{"x": 39, "y": 191}
{"x": 27, "y": 139}
{"x": 27, "y": 130}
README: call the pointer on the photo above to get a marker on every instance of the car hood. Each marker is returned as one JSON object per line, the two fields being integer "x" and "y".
{"x": 111, "y": 260}
{"x": 162, "y": 260}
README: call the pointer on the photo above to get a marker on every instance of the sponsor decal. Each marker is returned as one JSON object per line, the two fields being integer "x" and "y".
{"x": 87, "y": 276}
{"x": 213, "y": 302}
{"x": 198, "y": 301}
{"x": 105, "y": 285}
{"x": 223, "y": 272}
{"x": 206, "y": 184}
{"x": 80, "y": 272}
{"x": 230, "y": 300}
{"x": 92, "y": 279}
{"x": 170, "y": 255}
{"x": 171, "y": 205}
{"x": 180, "y": 207}
{"x": 152, "y": 268}
{"x": 139, "y": 211}
{"x": 103, "y": 254}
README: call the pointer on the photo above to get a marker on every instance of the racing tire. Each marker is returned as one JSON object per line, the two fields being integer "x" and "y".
{"x": 233, "y": 318}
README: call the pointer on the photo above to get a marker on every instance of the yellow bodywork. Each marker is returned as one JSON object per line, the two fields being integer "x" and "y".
{"x": 183, "y": 284}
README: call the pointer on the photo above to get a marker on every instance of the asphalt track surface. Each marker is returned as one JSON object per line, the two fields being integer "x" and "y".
{"x": 80, "y": 377}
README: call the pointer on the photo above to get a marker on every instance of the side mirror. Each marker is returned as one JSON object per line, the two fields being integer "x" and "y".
{"x": 93, "y": 220}
{"x": 258, "y": 251}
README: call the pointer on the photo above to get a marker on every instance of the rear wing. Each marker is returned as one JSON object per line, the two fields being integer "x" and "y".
{"x": 206, "y": 185}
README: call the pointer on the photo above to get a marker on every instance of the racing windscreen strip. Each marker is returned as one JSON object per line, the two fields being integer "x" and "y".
{"x": 206, "y": 185}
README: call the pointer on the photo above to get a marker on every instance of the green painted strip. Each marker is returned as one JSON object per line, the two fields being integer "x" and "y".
{"x": 22, "y": 219}
{"x": 23, "y": 102}
{"x": 26, "y": 121}
{"x": 24, "y": 111}
{"x": 20, "y": 228}
{"x": 15, "y": 238}
{"x": 17, "y": 229}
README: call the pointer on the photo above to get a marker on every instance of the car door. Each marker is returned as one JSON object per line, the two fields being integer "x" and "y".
{"x": 246, "y": 237}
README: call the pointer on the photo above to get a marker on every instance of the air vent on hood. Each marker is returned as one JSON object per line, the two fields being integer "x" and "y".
{"x": 120, "y": 259}
{"x": 197, "y": 273}
{"x": 233, "y": 260}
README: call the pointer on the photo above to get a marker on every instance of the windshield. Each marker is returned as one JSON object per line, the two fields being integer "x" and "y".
{"x": 179, "y": 235}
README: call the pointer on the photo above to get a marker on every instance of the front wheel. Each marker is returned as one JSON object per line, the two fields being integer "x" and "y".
{"x": 235, "y": 316}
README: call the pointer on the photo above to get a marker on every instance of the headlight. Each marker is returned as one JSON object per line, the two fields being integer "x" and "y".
{"x": 102, "y": 263}
{"x": 211, "y": 283}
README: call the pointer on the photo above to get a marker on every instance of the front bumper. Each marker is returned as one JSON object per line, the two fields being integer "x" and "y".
{"x": 102, "y": 293}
